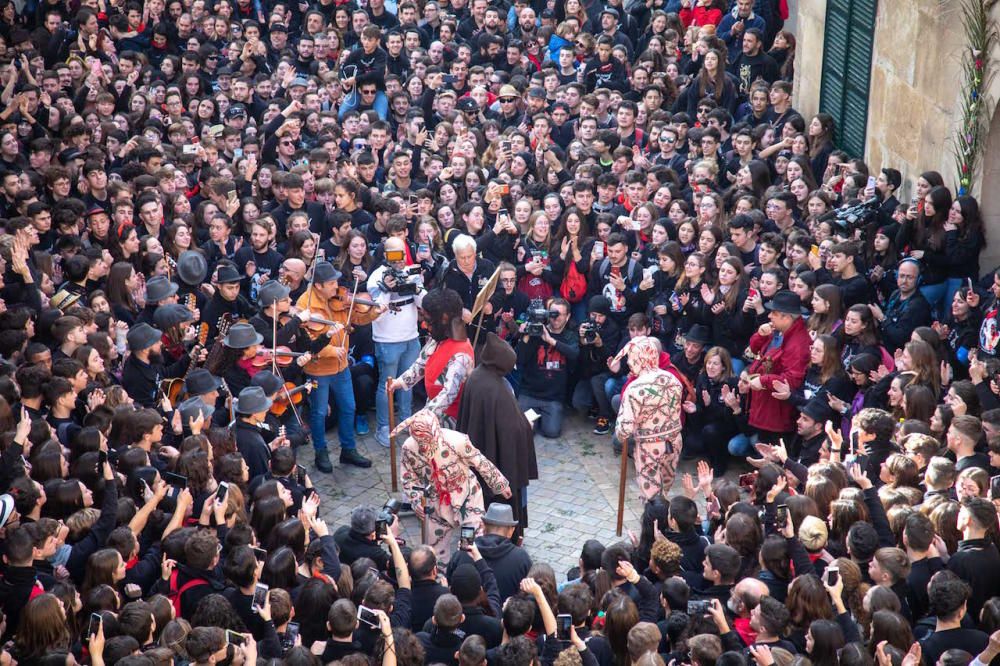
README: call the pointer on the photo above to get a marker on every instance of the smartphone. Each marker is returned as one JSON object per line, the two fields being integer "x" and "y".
{"x": 564, "y": 624}
{"x": 175, "y": 480}
{"x": 995, "y": 487}
{"x": 259, "y": 597}
{"x": 599, "y": 249}
{"x": 300, "y": 474}
{"x": 381, "y": 527}
{"x": 814, "y": 250}
{"x": 504, "y": 190}
{"x": 968, "y": 283}
{"x": 466, "y": 536}
{"x": 237, "y": 153}
{"x": 95, "y": 624}
{"x": 113, "y": 456}
{"x": 260, "y": 554}
{"x": 871, "y": 182}
{"x": 747, "y": 480}
{"x": 423, "y": 248}
{"x": 781, "y": 516}
{"x": 413, "y": 199}
{"x": 367, "y": 616}
{"x": 448, "y": 78}
{"x": 234, "y": 638}
{"x": 144, "y": 487}
{"x": 832, "y": 576}
{"x": 222, "y": 491}
{"x": 102, "y": 457}
{"x": 752, "y": 293}
{"x": 505, "y": 146}
{"x": 291, "y": 632}
{"x": 502, "y": 213}
{"x": 647, "y": 273}
{"x": 189, "y": 149}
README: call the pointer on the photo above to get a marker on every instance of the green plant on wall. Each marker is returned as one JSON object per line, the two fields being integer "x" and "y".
{"x": 974, "y": 107}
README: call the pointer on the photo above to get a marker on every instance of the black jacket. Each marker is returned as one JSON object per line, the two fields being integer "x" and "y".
{"x": 15, "y": 592}
{"x": 425, "y": 595}
{"x": 142, "y": 380}
{"x": 902, "y": 317}
{"x": 977, "y": 562}
{"x": 440, "y": 647}
{"x": 510, "y": 563}
{"x": 97, "y": 536}
{"x": 353, "y": 545}
{"x": 250, "y": 443}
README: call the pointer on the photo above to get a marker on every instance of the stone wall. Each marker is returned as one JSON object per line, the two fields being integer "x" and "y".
{"x": 913, "y": 95}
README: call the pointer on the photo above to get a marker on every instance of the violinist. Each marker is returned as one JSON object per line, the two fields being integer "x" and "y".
{"x": 226, "y": 300}
{"x": 275, "y": 302}
{"x": 329, "y": 367}
{"x": 243, "y": 357}
{"x": 273, "y": 387}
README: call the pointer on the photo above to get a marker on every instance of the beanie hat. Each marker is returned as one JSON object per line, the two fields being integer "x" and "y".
{"x": 466, "y": 583}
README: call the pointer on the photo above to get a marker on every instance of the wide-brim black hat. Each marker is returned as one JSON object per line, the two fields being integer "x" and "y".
{"x": 268, "y": 381}
{"x": 242, "y": 336}
{"x": 192, "y": 407}
{"x": 192, "y": 267}
{"x": 252, "y": 400}
{"x": 786, "y": 302}
{"x": 142, "y": 336}
{"x": 227, "y": 274}
{"x": 171, "y": 315}
{"x": 325, "y": 272}
{"x": 271, "y": 292}
{"x": 818, "y": 409}
{"x": 699, "y": 333}
{"x": 159, "y": 288}
{"x": 200, "y": 381}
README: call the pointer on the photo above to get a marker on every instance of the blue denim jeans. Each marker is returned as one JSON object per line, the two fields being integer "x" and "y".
{"x": 342, "y": 390}
{"x": 393, "y": 359}
{"x": 935, "y": 295}
{"x": 550, "y": 412}
{"x": 741, "y": 446}
{"x": 352, "y": 100}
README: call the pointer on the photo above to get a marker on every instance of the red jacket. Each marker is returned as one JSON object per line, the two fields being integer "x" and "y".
{"x": 788, "y": 363}
{"x": 701, "y": 16}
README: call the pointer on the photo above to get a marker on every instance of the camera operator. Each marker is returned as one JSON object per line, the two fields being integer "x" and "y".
{"x": 545, "y": 362}
{"x": 395, "y": 332}
{"x": 359, "y": 539}
{"x": 600, "y": 340}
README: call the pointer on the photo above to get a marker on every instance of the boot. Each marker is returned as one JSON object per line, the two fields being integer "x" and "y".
{"x": 352, "y": 457}
{"x": 323, "y": 461}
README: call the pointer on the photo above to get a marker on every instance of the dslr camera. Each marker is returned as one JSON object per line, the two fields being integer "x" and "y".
{"x": 535, "y": 318}
{"x": 408, "y": 280}
{"x": 388, "y": 514}
{"x": 589, "y": 330}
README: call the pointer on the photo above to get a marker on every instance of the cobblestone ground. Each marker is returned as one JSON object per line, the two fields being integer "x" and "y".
{"x": 574, "y": 499}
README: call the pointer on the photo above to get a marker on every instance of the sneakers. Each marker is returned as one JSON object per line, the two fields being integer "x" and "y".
{"x": 323, "y": 461}
{"x": 382, "y": 435}
{"x": 352, "y": 457}
{"x": 603, "y": 426}
{"x": 361, "y": 425}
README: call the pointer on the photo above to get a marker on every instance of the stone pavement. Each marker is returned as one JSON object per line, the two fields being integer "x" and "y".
{"x": 574, "y": 499}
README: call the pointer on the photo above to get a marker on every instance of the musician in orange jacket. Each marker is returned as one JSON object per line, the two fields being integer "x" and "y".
{"x": 329, "y": 367}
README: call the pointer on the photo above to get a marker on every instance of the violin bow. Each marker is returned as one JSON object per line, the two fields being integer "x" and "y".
{"x": 350, "y": 310}
{"x": 320, "y": 252}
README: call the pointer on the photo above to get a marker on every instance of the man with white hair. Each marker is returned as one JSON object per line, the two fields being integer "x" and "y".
{"x": 468, "y": 274}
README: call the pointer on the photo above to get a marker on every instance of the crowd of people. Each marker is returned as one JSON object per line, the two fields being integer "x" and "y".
{"x": 230, "y": 228}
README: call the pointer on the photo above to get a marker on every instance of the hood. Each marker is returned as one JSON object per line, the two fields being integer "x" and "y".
{"x": 497, "y": 355}
{"x": 494, "y": 546}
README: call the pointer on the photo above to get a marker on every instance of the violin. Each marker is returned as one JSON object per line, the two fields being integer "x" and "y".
{"x": 283, "y": 357}
{"x": 290, "y": 395}
{"x": 343, "y": 300}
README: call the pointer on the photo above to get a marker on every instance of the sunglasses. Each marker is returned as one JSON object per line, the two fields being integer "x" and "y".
{"x": 508, "y": 100}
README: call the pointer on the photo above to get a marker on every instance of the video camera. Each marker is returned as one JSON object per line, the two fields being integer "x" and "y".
{"x": 408, "y": 281}
{"x": 857, "y": 216}
{"x": 536, "y": 317}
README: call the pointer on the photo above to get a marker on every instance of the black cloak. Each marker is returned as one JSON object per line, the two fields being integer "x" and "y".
{"x": 490, "y": 416}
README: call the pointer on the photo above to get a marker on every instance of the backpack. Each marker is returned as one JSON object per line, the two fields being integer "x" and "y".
{"x": 174, "y": 593}
{"x": 574, "y": 284}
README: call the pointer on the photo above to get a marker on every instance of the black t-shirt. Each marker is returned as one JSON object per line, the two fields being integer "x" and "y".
{"x": 972, "y": 641}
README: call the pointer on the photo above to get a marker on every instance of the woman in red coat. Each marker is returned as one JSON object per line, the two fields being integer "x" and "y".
{"x": 782, "y": 349}
{"x": 701, "y": 12}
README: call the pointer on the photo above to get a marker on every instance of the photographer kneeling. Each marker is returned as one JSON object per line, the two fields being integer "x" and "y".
{"x": 600, "y": 340}
{"x": 544, "y": 355}
{"x": 400, "y": 288}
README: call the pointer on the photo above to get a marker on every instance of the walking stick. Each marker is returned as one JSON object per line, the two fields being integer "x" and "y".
{"x": 392, "y": 427}
{"x": 621, "y": 488}
{"x": 479, "y": 327}
{"x": 423, "y": 523}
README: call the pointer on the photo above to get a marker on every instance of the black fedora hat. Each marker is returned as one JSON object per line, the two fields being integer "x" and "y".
{"x": 227, "y": 274}
{"x": 242, "y": 336}
{"x": 252, "y": 400}
{"x": 142, "y": 336}
{"x": 325, "y": 272}
{"x": 271, "y": 292}
{"x": 192, "y": 267}
{"x": 699, "y": 333}
{"x": 172, "y": 314}
{"x": 200, "y": 381}
{"x": 192, "y": 407}
{"x": 786, "y": 302}
{"x": 267, "y": 381}
{"x": 159, "y": 288}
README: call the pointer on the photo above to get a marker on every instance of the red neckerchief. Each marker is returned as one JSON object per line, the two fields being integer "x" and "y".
{"x": 131, "y": 563}
{"x": 247, "y": 364}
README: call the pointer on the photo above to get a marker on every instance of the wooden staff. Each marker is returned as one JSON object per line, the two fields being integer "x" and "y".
{"x": 392, "y": 427}
{"x": 621, "y": 488}
{"x": 479, "y": 327}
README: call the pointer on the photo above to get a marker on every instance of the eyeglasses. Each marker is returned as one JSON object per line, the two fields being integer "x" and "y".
{"x": 367, "y": 92}
{"x": 287, "y": 143}
{"x": 508, "y": 100}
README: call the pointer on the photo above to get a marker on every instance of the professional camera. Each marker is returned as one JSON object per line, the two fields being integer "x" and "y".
{"x": 589, "y": 330}
{"x": 857, "y": 216}
{"x": 387, "y": 515}
{"x": 536, "y": 317}
{"x": 408, "y": 280}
